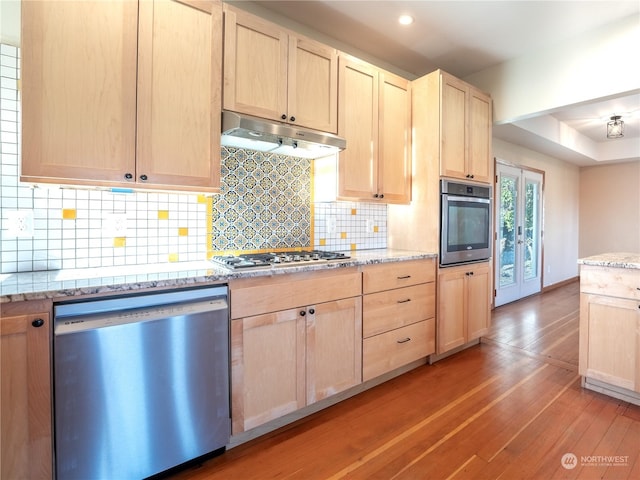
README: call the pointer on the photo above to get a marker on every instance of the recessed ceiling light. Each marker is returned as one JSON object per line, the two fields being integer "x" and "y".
{"x": 405, "y": 19}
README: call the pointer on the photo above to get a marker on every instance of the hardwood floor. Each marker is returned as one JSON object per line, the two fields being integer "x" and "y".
{"x": 511, "y": 407}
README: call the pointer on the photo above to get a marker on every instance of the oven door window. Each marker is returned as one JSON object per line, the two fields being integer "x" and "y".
{"x": 468, "y": 225}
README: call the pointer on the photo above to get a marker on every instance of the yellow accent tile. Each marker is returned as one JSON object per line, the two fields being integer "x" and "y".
{"x": 354, "y": 211}
{"x": 375, "y": 229}
{"x": 183, "y": 231}
{"x": 119, "y": 242}
{"x": 353, "y": 247}
{"x": 163, "y": 214}
{"x": 173, "y": 257}
{"x": 203, "y": 198}
{"x": 343, "y": 235}
{"x": 69, "y": 213}
{"x": 323, "y": 242}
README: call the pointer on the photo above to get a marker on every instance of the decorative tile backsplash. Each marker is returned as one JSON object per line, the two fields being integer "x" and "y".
{"x": 265, "y": 204}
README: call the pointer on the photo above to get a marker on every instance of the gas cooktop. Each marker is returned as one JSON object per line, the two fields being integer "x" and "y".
{"x": 256, "y": 260}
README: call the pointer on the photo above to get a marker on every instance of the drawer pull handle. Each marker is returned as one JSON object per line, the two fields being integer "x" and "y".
{"x": 404, "y": 340}
{"x": 404, "y": 277}
{"x": 404, "y": 301}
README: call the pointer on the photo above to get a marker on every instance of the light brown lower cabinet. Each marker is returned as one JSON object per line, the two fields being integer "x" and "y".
{"x": 610, "y": 328}
{"x": 283, "y": 360}
{"x": 398, "y": 309}
{"x": 25, "y": 403}
{"x": 464, "y": 304}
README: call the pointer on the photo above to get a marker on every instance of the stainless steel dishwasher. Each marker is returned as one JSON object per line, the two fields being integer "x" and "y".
{"x": 141, "y": 382}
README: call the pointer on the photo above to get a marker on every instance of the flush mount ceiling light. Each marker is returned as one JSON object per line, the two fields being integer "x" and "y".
{"x": 405, "y": 19}
{"x": 615, "y": 127}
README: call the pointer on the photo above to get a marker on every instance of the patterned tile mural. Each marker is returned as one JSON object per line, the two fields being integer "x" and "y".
{"x": 264, "y": 202}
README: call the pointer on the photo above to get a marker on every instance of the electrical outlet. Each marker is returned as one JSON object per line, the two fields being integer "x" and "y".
{"x": 331, "y": 225}
{"x": 20, "y": 223}
{"x": 114, "y": 225}
{"x": 369, "y": 225}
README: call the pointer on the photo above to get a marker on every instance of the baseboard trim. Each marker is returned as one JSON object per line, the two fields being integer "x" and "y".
{"x": 553, "y": 286}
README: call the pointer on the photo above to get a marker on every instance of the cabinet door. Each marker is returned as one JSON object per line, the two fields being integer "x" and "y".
{"x": 453, "y": 127}
{"x": 255, "y": 66}
{"x": 78, "y": 90}
{"x": 312, "y": 85}
{"x": 267, "y": 367}
{"x": 479, "y": 160}
{"x": 358, "y": 124}
{"x": 334, "y": 347}
{"x": 478, "y": 301}
{"x": 394, "y": 159}
{"x": 452, "y": 300}
{"x": 179, "y": 71}
{"x": 25, "y": 405}
{"x": 610, "y": 340}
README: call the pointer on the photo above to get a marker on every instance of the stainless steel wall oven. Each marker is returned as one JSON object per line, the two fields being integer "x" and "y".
{"x": 465, "y": 222}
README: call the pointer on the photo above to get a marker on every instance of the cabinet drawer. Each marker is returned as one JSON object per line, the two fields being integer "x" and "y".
{"x": 388, "y": 351}
{"x": 385, "y": 276}
{"x": 613, "y": 282}
{"x": 396, "y": 308}
{"x": 258, "y": 295}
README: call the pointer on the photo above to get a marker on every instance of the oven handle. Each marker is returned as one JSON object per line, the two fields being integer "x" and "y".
{"x": 457, "y": 198}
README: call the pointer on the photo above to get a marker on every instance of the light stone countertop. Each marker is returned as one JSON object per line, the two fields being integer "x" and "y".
{"x": 128, "y": 278}
{"x": 614, "y": 260}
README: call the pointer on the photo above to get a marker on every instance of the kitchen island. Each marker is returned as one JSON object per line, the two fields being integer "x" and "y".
{"x": 610, "y": 325}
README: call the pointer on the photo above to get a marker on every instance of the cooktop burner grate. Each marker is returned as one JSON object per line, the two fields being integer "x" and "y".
{"x": 257, "y": 260}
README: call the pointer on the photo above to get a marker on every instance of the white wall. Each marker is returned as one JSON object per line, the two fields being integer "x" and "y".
{"x": 561, "y": 208}
{"x": 610, "y": 209}
{"x": 598, "y": 64}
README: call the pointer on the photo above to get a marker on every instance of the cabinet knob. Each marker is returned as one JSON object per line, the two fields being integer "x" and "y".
{"x": 283, "y": 116}
{"x": 143, "y": 177}
{"x": 38, "y": 322}
{"x": 292, "y": 118}
{"x": 375, "y": 195}
{"x": 404, "y": 340}
{"x": 404, "y": 301}
{"x": 128, "y": 176}
{"x": 302, "y": 313}
{"x": 312, "y": 311}
{"x": 382, "y": 195}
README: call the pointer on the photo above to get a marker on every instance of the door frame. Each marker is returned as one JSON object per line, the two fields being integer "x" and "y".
{"x": 496, "y": 192}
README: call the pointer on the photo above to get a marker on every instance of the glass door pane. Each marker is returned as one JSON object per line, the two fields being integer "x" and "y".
{"x": 531, "y": 221}
{"x": 507, "y": 206}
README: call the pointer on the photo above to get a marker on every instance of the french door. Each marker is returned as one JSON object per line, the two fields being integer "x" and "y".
{"x": 518, "y": 247}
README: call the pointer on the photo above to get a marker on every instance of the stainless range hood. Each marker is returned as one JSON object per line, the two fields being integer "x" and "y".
{"x": 245, "y": 131}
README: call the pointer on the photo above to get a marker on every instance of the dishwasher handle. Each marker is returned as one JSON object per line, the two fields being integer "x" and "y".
{"x": 88, "y": 321}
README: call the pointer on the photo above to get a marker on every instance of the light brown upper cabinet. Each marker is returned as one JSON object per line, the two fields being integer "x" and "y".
{"x": 122, "y": 93}
{"x": 374, "y": 116}
{"x": 270, "y": 72}
{"x": 465, "y": 130}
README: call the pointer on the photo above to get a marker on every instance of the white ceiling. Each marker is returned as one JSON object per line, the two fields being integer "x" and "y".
{"x": 465, "y": 37}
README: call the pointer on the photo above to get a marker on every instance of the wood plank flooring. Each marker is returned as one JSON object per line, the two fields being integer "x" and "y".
{"x": 509, "y": 408}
